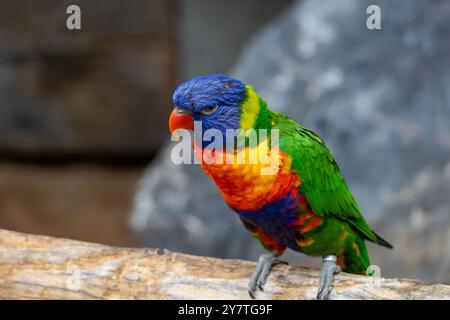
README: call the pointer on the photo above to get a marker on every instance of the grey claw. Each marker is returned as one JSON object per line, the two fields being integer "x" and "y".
{"x": 329, "y": 268}
{"x": 259, "y": 277}
{"x": 252, "y": 285}
{"x": 260, "y": 283}
{"x": 260, "y": 287}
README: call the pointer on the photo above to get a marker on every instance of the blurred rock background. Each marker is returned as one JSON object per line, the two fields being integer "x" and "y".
{"x": 82, "y": 113}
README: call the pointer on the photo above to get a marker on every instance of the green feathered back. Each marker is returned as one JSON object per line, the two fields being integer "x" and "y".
{"x": 322, "y": 182}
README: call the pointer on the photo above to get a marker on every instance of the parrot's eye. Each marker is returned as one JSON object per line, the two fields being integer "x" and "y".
{"x": 209, "y": 110}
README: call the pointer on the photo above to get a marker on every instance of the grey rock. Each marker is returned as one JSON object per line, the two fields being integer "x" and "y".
{"x": 417, "y": 221}
{"x": 381, "y": 101}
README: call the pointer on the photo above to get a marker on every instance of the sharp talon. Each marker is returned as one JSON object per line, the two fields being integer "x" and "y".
{"x": 318, "y": 295}
{"x": 252, "y": 288}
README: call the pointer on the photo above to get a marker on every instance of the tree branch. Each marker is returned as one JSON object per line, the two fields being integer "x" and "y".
{"x": 39, "y": 267}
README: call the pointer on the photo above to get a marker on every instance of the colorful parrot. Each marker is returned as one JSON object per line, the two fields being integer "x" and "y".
{"x": 305, "y": 205}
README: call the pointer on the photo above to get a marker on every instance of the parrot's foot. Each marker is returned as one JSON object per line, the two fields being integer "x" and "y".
{"x": 265, "y": 263}
{"x": 327, "y": 272}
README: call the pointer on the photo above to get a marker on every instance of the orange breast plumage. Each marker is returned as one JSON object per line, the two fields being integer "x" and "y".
{"x": 250, "y": 180}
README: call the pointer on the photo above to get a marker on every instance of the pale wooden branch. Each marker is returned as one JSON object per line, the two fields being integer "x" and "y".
{"x": 39, "y": 267}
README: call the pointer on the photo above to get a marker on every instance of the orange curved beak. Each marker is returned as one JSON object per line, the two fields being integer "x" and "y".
{"x": 179, "y": 120}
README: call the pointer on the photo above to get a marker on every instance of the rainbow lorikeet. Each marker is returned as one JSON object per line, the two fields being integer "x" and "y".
{"x": 305, "y": 205}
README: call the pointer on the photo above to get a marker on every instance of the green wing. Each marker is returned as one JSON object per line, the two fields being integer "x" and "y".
{"x": 322, "y": 182}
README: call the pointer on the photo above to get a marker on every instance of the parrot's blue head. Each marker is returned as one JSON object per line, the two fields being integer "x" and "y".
{"x": 215, "y": 100}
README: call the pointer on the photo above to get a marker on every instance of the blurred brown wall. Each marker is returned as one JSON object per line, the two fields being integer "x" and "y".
{"x": 104, "y": 89}
{"x": 70, "y": 98}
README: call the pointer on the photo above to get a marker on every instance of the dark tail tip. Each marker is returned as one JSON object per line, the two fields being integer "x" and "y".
{"x": 383, "y": 242}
